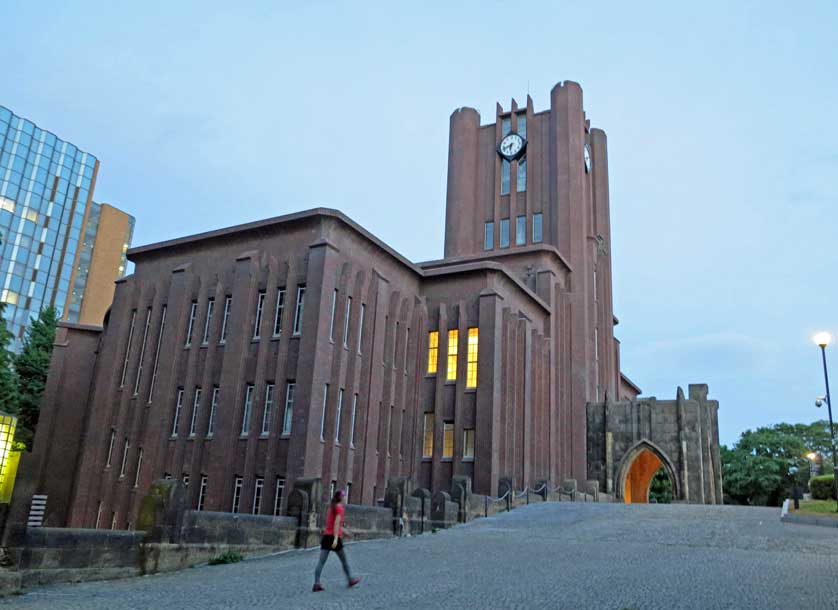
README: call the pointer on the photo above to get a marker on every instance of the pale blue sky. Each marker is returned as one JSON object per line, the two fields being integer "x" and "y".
{"x": 721, "y": 120}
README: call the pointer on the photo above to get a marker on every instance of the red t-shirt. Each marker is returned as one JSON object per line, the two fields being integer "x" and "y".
{"x": 330, "y": 520}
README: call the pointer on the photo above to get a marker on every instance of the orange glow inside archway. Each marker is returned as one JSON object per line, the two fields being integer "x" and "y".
{"x": 639, "y": 477}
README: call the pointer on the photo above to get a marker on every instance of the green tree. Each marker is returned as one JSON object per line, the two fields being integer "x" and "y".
{"x": 8, "y": 380}
{"x": 32, "y": 366}
{"x": 660, "y": 489}
{"x": 756, "y": 469}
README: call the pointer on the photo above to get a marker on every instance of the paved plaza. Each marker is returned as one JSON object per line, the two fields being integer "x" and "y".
{"x": 553, "y": 555}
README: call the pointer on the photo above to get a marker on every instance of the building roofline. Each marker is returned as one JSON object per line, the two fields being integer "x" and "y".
{"x": 76, "y": 326}
{"x": 49, "y": 131}
{"x": 496, "y": 254}
{"x": 430, "y": 269}
{"x": 629, "y": 382}
{"x": 478, "y": 266}
{"x": 133, "y": 253}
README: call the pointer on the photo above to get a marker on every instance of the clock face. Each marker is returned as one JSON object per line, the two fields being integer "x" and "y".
{"x": 588, "y": 162}
{"x": 512, "y": 146}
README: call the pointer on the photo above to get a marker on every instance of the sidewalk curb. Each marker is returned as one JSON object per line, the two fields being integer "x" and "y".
{"x": 785, "y": 517}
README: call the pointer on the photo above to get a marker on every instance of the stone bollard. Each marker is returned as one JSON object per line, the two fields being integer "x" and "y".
{"x": 161, "y": 511}
{"x": 424, "y": 497}
{"x": 569, "y": 489}
{"x": 460, "y": 493}
{"x": 304, "y": 505}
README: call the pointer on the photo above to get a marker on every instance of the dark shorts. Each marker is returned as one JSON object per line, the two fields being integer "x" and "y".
{"x": 326, "y": 543}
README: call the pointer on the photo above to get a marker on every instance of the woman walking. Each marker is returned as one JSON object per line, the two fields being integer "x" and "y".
{"x": 332, "y": 541}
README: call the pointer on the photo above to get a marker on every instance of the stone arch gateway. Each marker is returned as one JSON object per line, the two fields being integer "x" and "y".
{"x": 629, "y": 440}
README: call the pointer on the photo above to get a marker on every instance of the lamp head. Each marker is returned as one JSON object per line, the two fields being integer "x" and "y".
{"x": 812, "y": 456}
{"x": 822, "y": 339}
{"x": 819, "y": 401}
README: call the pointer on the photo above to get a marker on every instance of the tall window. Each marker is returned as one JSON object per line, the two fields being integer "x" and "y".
{"x": 596, "y": 344}
{"x": 471, "y": 366}
{"x": 110, "y": 448}
{"x": 536, "y": 228}
{"x": 361, "y": 326}
{"x": 257, "y": 322}
{"x": 298, "y": 312}
{"x": 202, "y": 492}
{"x": 196, "y": 403}
{"x": 390, "y": 429}
{"x": 488, "y": 235}
{"x": 468, "y": 444}
{"x": 278, "y": 493}
{"x": 213, "y": 407}
{"x": 257, "y": 495}
{"x": 237, "y": 494}
{"x": 594, "y": 286}
{"x": 332, "y": 318}
{"x": 522, "y": 125}
{"x": 157, "y": 354}
{"x": 289, "y": 408}
{"x": 506, "y": 126}
{"x": 280, "y": 307}
{"x": 352, "y": 421}
{"x": 447, "y": 440}
{"x": 428, "y": 436}
{"x": 142, "y": 352}
{"x": 178, "y": 407}
{"x": 193, "y": 309}
{"x": 323, "y": 414}
{"x": 433, "y": 351}
{"x": 228, "y": 302}
{"x": 520, "y": 230}
{"x": 346, "y": 321}
{"x": 125, "y": 448}
{"x": 522, "y": 176}
{"x": 453, "y": 340}
{"x": 128, "y": 348}
{"x": 248, "y": 409}
{"x": 139, "y": 467}
{"x": 337, "y": 415}
{"x": 208, "y": 321}
{"x": 504, "y": 232}
{"x": 504, "y": 177}
{"x": 269, "y": 408}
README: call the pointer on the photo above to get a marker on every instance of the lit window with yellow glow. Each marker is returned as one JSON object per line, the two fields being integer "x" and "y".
{"x": 471, "y": 369}
{"x": 451, "y": 374}
{"x": 428, "y": 436}
{"x": 447, "y": 440}
{"x": 433, "y": 351}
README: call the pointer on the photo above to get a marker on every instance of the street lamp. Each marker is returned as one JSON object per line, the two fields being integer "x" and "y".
{"x": 822, "y": 339}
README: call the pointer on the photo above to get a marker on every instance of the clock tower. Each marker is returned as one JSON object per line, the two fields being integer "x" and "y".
{"x": 530, "y": 191}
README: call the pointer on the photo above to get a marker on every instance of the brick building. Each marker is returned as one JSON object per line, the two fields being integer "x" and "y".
{"x": 302, "y": 346}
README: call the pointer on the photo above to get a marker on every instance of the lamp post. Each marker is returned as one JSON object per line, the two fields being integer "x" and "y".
{"x": 822, "y": 339}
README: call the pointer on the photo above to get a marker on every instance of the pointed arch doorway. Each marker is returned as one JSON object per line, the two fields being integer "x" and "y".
{"x": 638, "y": 468}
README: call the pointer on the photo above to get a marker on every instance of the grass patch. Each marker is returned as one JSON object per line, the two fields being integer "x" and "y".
{"x": 823, "y": 508}
{"x": 228, "y": 557}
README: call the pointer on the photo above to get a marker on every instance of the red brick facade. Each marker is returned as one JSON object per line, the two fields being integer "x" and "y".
{"x": 542, "y": 310}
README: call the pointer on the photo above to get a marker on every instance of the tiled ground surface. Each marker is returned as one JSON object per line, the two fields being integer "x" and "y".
{"x": 552, "y": 555}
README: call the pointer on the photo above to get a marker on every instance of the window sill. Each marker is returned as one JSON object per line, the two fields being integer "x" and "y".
{"x": 471, "y": 390}
{"x": 447, "y": 459}
{"x": 427, "y": 458}
{"x": 430, "y": 375}
{"x": 468, "y": 460}
{"x": 296, "y": 335}
{"x": 285, "y": 435}
{"x": 447, "y": 382}
{"x": 204, "y": 345}
{"x": 275, "y": 338}
{"x": 265, "y": 435}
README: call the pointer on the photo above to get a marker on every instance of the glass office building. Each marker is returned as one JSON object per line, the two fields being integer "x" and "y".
{"x": 50, "y": 228}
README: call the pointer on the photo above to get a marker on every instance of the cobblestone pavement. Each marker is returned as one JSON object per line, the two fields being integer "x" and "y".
{"x": 556, "y": 556}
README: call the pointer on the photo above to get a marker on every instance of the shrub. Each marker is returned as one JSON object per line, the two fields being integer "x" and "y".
{"x": 822, "y": 487}
{"x": 228, "y": 557}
